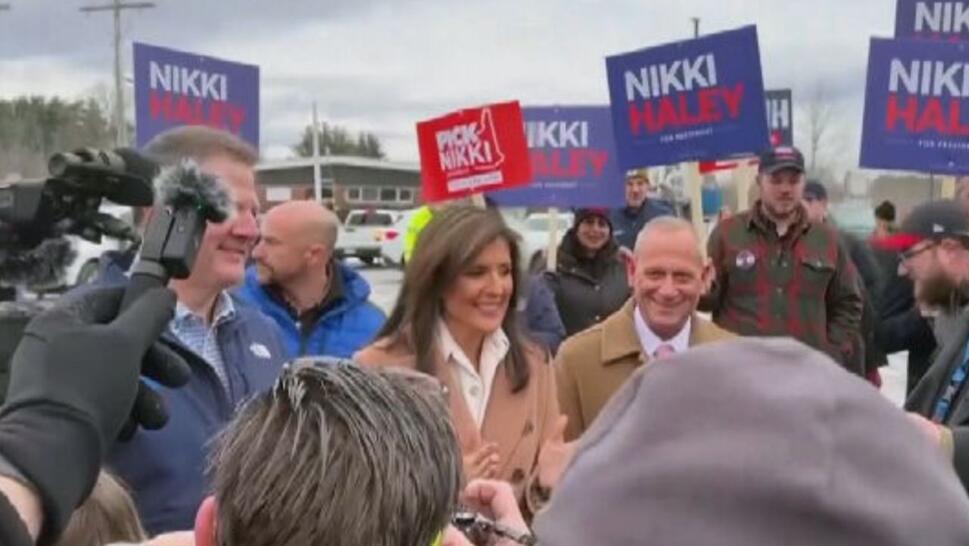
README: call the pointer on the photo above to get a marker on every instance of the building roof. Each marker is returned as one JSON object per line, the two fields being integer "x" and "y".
{"x": 344, "y": 160}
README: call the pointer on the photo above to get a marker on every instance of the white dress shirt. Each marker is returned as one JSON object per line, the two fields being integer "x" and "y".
{"x": 476, "y": 385}
{"x": 651, "y": 342}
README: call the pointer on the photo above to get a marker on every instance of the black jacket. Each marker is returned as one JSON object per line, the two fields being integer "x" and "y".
{"x": 930, "y": 389}
{"x": 587, "y": 290}
{"x": 870, "y": 274}
{"x": 901, "y": 327}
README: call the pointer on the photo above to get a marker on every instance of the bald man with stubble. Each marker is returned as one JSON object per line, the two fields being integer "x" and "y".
{"x": 322, "y": 306}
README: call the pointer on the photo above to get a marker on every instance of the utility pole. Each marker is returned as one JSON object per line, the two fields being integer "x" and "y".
{"x": 696, "y": 26}
{"x": 317, "y": 178}
{"x": 117, "y": 6}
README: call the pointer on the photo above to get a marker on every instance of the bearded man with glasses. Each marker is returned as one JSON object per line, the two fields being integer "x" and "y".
{"x": 933, "y": 246}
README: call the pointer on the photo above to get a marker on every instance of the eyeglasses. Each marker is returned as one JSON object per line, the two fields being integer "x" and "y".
{"x": 911, "y": 253}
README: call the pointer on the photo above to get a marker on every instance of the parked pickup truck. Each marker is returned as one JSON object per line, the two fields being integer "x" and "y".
{"x": 363, "y": 233}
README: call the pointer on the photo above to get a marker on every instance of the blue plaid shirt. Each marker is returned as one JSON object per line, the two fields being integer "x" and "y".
{"x": 202, "y": 338}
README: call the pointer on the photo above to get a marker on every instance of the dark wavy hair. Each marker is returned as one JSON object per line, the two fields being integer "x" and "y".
{"x": 446, "y": 247}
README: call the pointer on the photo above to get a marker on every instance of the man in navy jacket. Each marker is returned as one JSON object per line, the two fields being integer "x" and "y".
{"x": 233, "y": 350}
{"x": 320, "y": 304}
{"x": 628, "y": 221}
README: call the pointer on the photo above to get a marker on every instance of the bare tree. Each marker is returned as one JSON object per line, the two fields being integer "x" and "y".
{"x": 824, "y": 134}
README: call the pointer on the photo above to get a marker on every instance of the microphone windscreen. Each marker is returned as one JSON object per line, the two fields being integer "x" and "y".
{"x": 185, "y": 185}
{"x": 41, "y": 265}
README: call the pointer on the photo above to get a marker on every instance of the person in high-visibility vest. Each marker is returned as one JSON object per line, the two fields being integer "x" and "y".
{"x": 417, "y": 222}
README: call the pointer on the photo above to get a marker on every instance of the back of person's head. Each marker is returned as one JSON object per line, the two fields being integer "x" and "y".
{"x": 336, "y": 455}
{"x": 108, "y": 515}
{"x": 754, "y": 441}
{"x": 885, "y": 211}
{"x": 199, "y": 142}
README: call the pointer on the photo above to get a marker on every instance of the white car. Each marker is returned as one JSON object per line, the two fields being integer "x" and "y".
{"x": 392, "y": 241}
{"x": 534, "y": 230}
{"x": 363, "y": 232}
{"x": 84, "y": 267}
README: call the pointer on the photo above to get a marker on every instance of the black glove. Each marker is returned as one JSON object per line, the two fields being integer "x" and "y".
{"x": 74, "y": 381}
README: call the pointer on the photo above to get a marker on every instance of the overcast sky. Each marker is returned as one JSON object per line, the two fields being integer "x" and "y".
{"x": 382, "y": 65}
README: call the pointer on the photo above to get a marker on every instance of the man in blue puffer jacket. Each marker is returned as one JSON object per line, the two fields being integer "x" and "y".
{"x": 320, "y": 304}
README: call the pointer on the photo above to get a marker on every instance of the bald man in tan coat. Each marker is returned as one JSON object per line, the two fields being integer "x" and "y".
{"x": 667, "y": 274}
{"x": 321, "y": 305}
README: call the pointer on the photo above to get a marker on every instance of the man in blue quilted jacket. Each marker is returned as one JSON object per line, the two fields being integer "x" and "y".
{"x": 321, "y": 305}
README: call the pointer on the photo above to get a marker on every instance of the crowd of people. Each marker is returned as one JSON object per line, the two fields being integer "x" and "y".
{"x": 647, "y": 389}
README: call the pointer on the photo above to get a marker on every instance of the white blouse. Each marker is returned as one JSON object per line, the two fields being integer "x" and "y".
{"x": 475, "y": 385}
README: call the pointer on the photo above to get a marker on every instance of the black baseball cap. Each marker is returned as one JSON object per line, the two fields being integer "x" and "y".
{"x": 815, "y": 191}
{"x": 780, "y": 158}
{"x": 934, "y": 220}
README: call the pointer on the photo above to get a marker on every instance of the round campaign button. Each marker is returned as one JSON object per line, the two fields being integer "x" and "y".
{"x": 746, "y": 259}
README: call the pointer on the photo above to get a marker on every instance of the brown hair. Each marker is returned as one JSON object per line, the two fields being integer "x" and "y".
{"x": 199, "y": 142}
{"x": 338, "y": 454}
{"x": 445, "y": 248}
{"x": 107, "y": 516}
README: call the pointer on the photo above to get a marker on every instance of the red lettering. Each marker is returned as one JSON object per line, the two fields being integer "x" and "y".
{"x": 955, "y": 119}
{"x": 667, "y": 114}
{"x": 560, "y": 170}
{"x": 540, "y": 166}
{"x": 188, "y": 111}
{"x": 907, "y": 115}
{"x": 685, "y": 117}
{"x": 566, "y": 164}
{"x": 237, "y": 116}
{"x": 215, "y": 117}
{"x": 707, "y": 102}
{"x": 637, "y": 119}
{"x": 733, "y": 98}
{"x": 183, "y": 111}
{"x": 711, "y": 106}
{"x": 931, "y": 117}
{"x": 598, "y": 159}
{"x": 160, "y": 104}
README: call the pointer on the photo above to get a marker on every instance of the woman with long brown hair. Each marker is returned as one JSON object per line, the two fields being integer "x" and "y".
{"x": 455, "y": 319}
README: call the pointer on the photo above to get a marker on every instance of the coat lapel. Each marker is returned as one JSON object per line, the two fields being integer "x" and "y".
{"x": 620, "y": 330}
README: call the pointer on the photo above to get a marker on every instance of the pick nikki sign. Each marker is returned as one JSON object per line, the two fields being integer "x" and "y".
{"x": 701, "y": 99}
{"x": 917, "y": 107}
{"x": 473, "y": 151}
{"x": 174, "y": 88}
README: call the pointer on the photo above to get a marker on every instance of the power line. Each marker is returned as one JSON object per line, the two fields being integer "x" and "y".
{"x": 117, "y": 6}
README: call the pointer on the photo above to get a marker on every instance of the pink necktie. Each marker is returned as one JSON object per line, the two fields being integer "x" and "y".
{"x": 664, "y": 350}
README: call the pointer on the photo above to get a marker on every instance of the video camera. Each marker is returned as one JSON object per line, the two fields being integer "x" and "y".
{"x": 35, "y": 216}
{"x": 67, "y": 203}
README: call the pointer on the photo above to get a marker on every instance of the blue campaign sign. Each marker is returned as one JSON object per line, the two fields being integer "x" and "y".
{"x": 932, "y": 19}
{"x": 702, "y": 99}
{"x": 174, "y": 88}
{"x": 917, "y": 107}
{"x": 572, "y": 157}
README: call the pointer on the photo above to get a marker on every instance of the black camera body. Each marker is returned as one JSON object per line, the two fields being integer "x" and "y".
{"x": 67, "y": 203}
